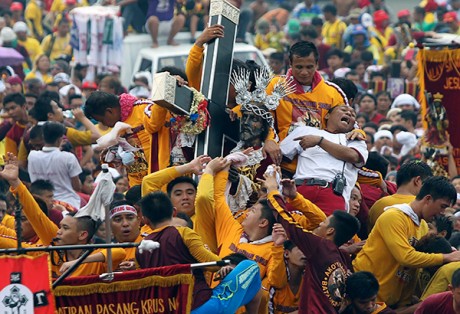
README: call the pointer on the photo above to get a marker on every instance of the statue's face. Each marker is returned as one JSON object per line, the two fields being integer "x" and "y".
{"x": 251, "y": 127}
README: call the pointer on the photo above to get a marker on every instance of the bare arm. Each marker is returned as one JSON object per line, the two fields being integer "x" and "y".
{"x": 80, "y": 117}
{"x": 76, "y": 184}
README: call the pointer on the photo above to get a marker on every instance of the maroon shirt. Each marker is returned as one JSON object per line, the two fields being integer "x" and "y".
{"x": 439, "y": 303}
{"x": 323, "y": 284}
{"x": 173, "y": 251}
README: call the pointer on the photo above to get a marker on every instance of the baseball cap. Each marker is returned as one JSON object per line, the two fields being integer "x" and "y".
{"x": 16, "y": 6}
{"x": 380, "y": 15}
{"x": 20, "y": 27}
{"x": 449, "y": 17}
{"x": 89, "y": 85}
{"x": 403, "y": 13}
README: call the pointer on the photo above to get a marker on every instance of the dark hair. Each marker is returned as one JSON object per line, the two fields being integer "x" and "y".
{"x": 267, "y": 213}
{"x": 432, "y": 243}
{"x": 455, "y": 178}
{"x": 278, "y": 56}
{"x": 289, "y": 245}
{"x": 85, "y": 223}
{"x": 334, "y": 52}
{"x": 347, "y": 86}
{"x": 38, "y": 186}
{"x": 345, "y": 225}
{"x": 134, "y": 194}
{"x": 157, "y": 207}
{"x": 317, "y": 21}
{"x": 330, "y": 8}
{"x": 412, "y": 169}
{"x": 419, "y": 10}
{"x": 397, "y": 127}
{"x": 98, "y": 102}
{"x": 53, "y": 95}
{"x": 455, "y": 239}
{"x": 187, "y": 219}
{"x": 174, "y": 71}
{"x": 42, "y": 204}
{"x": 371, "y": 124}
{"x": 377, "y": 162}
{"x": 409, "y": 115}
{"x": 383, "y": 92}
{"x": 363, "y": 115}
{"x": 52, "y": 131}
{"x": 376, "y": 74}
{"x": 3, "y": 197}
{"x": 17, "y": 98}
{"x": 371, "y": 136}
{"x": 444, "y": 223}
{"x": 113, "y": 83}
{"x": 367, "y": 56}
{"x": 42, "y": 108}
{"x": 303, "y": 49}
{"x": 351, "y": 72}
{"x": 84, "y": 173}
{"x": 118, "y": 196}
{"x": 456, "y": 279}
{"x": 309, "y": 31}
{"x": 361, "y": 285}
{"x": 116, "y": 203}
{"x": 31, "y": 95}
{"x": 36, "y": 132}
{"x": 74, "y": 96}
{"x": 439, "y": 188}
{"x": 370, "y": 96}
{"x": 182, "y": 179}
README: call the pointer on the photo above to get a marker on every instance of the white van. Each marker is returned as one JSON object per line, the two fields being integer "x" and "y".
{"x": 153, "y": 59}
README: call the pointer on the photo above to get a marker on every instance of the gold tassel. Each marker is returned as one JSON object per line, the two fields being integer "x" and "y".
{"x": 126, "y": 285}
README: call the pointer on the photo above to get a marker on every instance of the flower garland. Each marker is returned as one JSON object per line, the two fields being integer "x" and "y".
{"x": 198, "y": 119}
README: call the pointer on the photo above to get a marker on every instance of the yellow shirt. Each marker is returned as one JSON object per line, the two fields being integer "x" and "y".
{"x": 377, "y": 209}
{"x": 8, "y": 221}
{"x": 33, "y": 16}
{"x": 60, "y": 47}
{"x": 45, "y": 78}
{"x": 46, "y": 230}
{"x": 332, "y": 33}
{"x": 33, "y": 47}
{"x": 440, "y": 280}
{"x": 389, "y": 254}
{"x": 193, "y": 67}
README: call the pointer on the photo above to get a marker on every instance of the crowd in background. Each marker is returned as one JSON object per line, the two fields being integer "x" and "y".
{"x": 398, "y": 227}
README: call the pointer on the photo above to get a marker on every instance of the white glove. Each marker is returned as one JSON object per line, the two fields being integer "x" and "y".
{"x": 148, "y": 245}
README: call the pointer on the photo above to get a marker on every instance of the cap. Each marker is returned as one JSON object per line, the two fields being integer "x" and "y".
{"x": 354, "y": 13}
{"x": 16, "y": 6}
{"x": 405, "y": 99}
{"x": 62, "y": 78}
{"x": 430, "y": 6}
{"x": 14, "y": 80}
{"x": 7, "y": 34}
{"x": 20, "y": 27}
{"x": 380, "y": 16}
{"x": 403, "y": 13}
{"x": 383, "y": 133}
{"x": 122, "y": 209}
{"x": 450, "y": 17}
{"x": 64, "y": 91}
{"x": 89, "y": 85}
{"x": 358, "y": 29}
{"x": 293, "y": 26}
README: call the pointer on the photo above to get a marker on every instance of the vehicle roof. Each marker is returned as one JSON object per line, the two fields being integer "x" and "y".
{"x": 183, "y": 49}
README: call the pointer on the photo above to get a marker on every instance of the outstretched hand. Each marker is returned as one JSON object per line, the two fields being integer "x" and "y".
{"x": 11, "y": 170}
{"x": 216, "y": 165}
{"x": 197, "y": 165}
{"x": 270, "y": 181}
{"x": 278, "y": 235}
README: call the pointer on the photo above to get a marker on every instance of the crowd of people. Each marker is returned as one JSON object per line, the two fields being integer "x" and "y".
{"x": 328, "y": 203}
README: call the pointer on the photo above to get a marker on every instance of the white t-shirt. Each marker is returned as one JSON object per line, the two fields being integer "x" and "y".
{"x": 57, "y": 167}
{"x": 315, "y": 162}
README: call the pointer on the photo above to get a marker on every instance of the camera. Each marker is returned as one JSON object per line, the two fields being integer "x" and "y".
{"x": 339, "y": 183}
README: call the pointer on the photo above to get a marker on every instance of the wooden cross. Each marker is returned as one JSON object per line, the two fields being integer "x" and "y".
{"x": 215, "y": 81}
{"x": 215, "y": 84}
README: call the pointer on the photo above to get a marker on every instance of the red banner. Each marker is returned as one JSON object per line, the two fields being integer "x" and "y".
{"x": 155, "y": 290}
{"x": 25, "y": 283}
{"x": 439, "y": 73}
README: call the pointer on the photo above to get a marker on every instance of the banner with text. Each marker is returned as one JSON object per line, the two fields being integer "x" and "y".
{"x": 439, "y": 72}
{"x": 25, "y": 285}
{"x": 154, "y": 290}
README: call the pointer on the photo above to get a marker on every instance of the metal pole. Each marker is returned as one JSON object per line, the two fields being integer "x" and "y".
{"x": 108, "y": 228}
{"x": 52, "y": 248}
{"x": 17, "y": 222}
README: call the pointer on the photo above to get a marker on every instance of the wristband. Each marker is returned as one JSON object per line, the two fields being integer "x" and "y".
{"x": 320, "y": 141}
